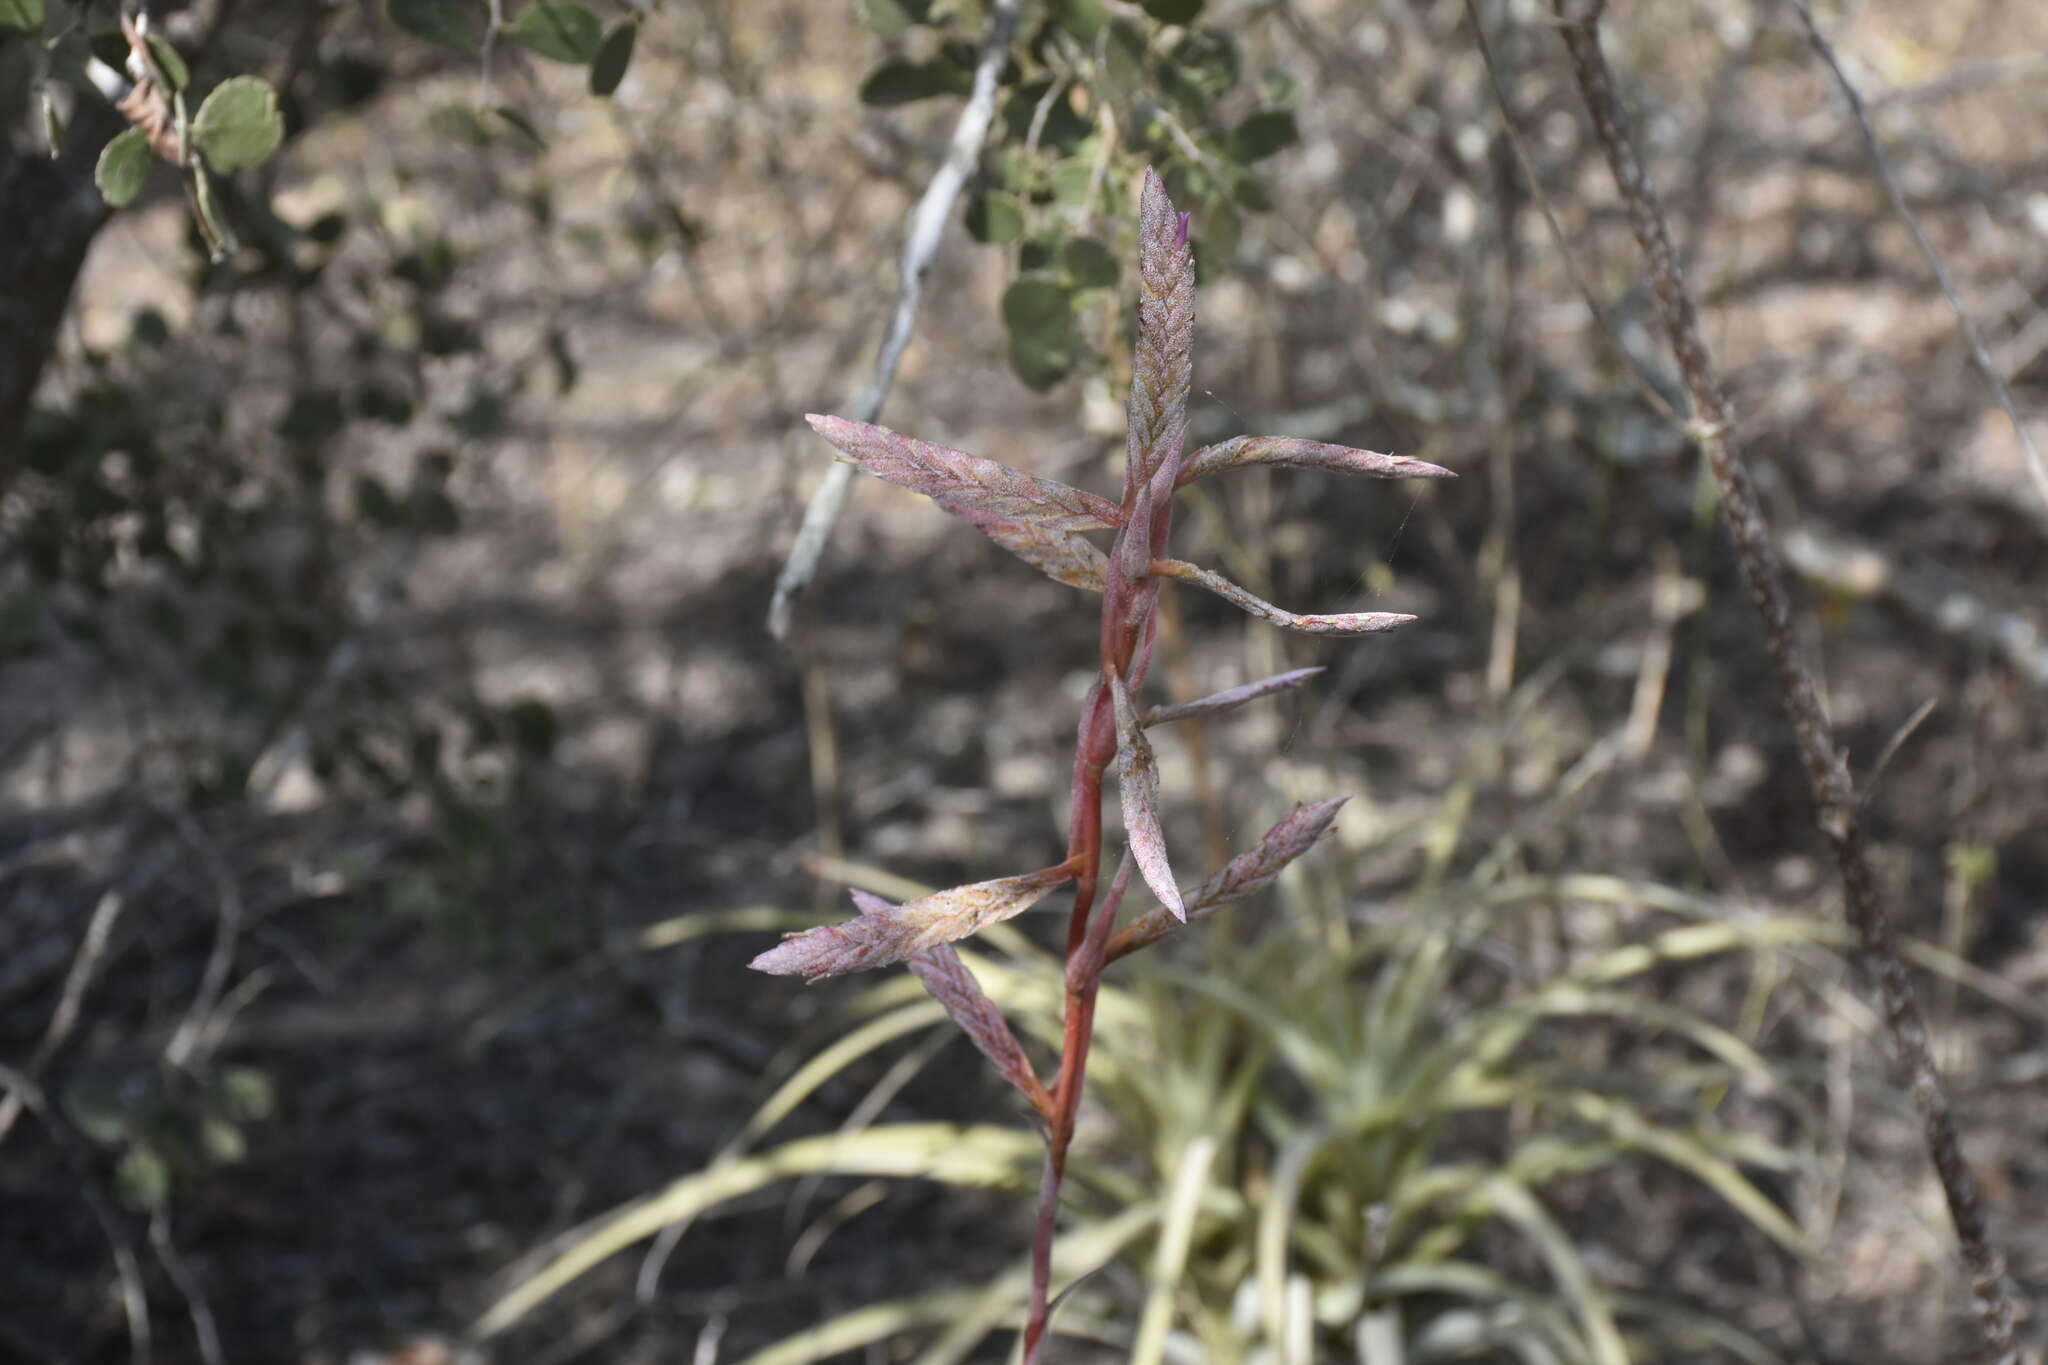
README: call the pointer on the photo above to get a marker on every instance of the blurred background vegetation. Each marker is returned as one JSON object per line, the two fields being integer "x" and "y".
{"x": 397, "y": 770}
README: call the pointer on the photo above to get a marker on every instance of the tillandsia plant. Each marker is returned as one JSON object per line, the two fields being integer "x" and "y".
{"x": 1042, "y": 522}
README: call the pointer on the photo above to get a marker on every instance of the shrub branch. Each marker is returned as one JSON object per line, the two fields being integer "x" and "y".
{"x": 1827, "y": 770}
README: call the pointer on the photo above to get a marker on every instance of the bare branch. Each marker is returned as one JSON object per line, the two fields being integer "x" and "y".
{"x": 920, "y": 244}
{"x": 1978, "y": 350}
{"x": 1826, "y": 770}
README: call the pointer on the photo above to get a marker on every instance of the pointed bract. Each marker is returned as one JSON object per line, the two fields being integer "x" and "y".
{"x": 1162, "y": 368}
{"x": 1062, "y": 555}
{"x": 885, "y": 933}
{"x": 953, "y": 986}
{"x": 1252, "y": 870}
{"x": 1138, "y": 782}
{"x": 1338, "y": 623}
{"x": 1219, "y": 702}
{"x": 1244, "y": 451}
{"x": 959, "y": 480}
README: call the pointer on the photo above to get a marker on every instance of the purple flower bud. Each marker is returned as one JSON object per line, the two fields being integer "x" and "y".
{"x": 1180, "y": 233}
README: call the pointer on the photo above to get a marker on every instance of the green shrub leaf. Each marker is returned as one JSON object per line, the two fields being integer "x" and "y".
{"x": 1090, "y": 264}
{"x": 995, "y": 218}
{"x": 1202, "y": 68}
{"x": 239, "y": 126}
{"x": 1039, "y": 313}
{"x": 176, "y": 74}
{"x": 445, "y": 23}
{"x": 897, "y": 81}
{"x": 1262, "y": 134}
{"x": 614, "y": 54}
{"x": 520, "y": 124}
{"x": 123, "y": 166}
{"x": 561, "y": 33}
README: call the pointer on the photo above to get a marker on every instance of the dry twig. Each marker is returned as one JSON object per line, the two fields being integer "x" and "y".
{"x": 920, "y": 245}
{"x": 1826, "y": 769}
{"x": 1978, "y": 350}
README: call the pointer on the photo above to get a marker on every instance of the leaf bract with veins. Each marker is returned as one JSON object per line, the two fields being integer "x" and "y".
{"x": 885, "y": 933}
{"x": 1138, "y": 781}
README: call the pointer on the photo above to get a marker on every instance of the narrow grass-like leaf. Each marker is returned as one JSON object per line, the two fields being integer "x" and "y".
{"x": 1469, "y": 1280}
{"x": 958, "y": 479}
{"x": 1061, "y": 555}
{"x": 1162, "y": 368}
{"x": 954, "y": 987}
{"x": 1276, "y": 1217}
{"x": 1343, "y": 623}
{"x": 1243, "y": 452}
{"x": 943, "y": 1152}
{"x": 1694, "y": 1157}
{"x": 970, "y": 1315}
{"x": 829, "y": 1061}
{"x": 1252, "y": 870}
{"x": 1513, "y": 1202}
{"x": 1138, "y": 784}
{"x": 1170, "y": 1255}
{"x": 680, "y": 929}
{"x": 886, "y": 933}
{"x": 1218, "y": 702}
{"x": 869, "y": 1325}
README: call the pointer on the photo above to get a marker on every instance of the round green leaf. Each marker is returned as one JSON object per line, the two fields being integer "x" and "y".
{"x": 1262, "y": 134}
{"x": 1203, "y": 67}
{"x": 123, "y": 166}
{"x": 176, "y": 74}
{"x": 898, "y": 81}
{"x": 1123, "y": 61}
{"x": 561, "y": 33}
{"x": 889, "y": 17}
{"x": 1071, "y": 182}
{"x": 142, "y": 1180}
{"x": 21, "y": 16}
{"x": 614, "y": 54}
{"x": 1082, "y": 18}
{"x": 1062, "y": 129}
{"x": 238, "y": 126}
{"x": 995, "y": 218}
{"x": 446, "y": 23}
{"x": 1039, "y": 313}
{"x": 1089, "y": 263}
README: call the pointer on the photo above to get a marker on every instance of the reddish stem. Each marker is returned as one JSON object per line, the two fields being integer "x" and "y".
{"x": 1126, "y": 620}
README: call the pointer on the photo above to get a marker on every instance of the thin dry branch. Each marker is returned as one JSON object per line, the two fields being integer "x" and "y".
{"x": 1979, "y": 352}
{"x": 920, "y": 245}
{"x": 1826, "y": 769}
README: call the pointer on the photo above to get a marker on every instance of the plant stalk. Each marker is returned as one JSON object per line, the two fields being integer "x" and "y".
{"x": 1827, "y": 770}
